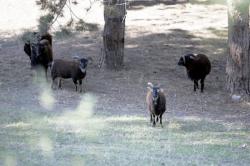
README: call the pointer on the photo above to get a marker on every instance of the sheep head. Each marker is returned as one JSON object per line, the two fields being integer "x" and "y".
{"x": 184, "y": 60}
{"x": 38, "y": 49}
{"x": 83, "y": 64}
{"x": 155, "y": 90}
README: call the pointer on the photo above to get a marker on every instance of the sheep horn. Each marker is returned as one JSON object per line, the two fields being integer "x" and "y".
{"x": 76, "y": 57}
{"x": 184, "y": 59}
{"x": 150, "y": 84}
{"x": 193, "y": 56}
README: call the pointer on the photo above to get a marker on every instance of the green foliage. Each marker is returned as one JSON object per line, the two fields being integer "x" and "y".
{"x": 27, "y": 36}
{"x": 83, "y": 26}
{"x": 45, "y": 22}
{"x": 80, "y": 25}
{"x": 55, "y": 9}
{"x": 53, "y": 6}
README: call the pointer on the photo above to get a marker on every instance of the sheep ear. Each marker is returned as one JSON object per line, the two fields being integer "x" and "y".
{"x": 76, "y": 57}
{"x": 192, "y": 57}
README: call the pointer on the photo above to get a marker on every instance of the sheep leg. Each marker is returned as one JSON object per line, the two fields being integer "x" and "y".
{"x": 196, "y": 85}
{"x": 161, "y": 120}
{"x": 151, "y": 117}
{"x": 53, "y": 82}
{"x": 46, "y": 74}
{"x": 80, "y": 83}
{"x": 75, "y": 82}
{"x": 59, "y": 83}
{"x": 153, "y": 120}
{"x": 202, "y": 84}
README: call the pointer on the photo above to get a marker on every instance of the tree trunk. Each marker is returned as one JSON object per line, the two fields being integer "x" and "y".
{"x": 238, "y": 60}
{"x": 113, "y": 34}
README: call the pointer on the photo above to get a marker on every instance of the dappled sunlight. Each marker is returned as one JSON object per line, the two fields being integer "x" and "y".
{"x": 46, "y": 145}
{"x": 246, "y": 104}
{"x": 124, "y": 119}
{"x": 42, "y": 132}
{"x": 46, "y": 98}
{"x": 195, "y": 17}
{"x": 17, "y": 125}
{"x": 77, "y": 117}
{"x": 144, "y": 141}
{"x": 79, "y": 121}
{"x": 174, "y": 125}
{"x": 78, "y": 161}
{"x": 208, "y": 2}
{"x": 108, "y": 138}
{"x": 131, "y": 46}
{"x": 210, "y": 141}
{"x": 208, "y": 34}
{"x": 10, "y": 161}
{"x": 191, "y": 118}
{"x": 234, "y": 126}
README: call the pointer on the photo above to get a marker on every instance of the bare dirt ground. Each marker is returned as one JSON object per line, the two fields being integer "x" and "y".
{"x": 156, "y": 36}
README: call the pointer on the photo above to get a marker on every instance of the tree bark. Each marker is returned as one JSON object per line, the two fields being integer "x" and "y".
{"x": 238, "y": 60}
{"x": 113, "y": 34}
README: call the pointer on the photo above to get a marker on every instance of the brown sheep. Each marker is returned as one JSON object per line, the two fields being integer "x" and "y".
{"x": 156, "y": 103}
{"x": 75, "y": 69}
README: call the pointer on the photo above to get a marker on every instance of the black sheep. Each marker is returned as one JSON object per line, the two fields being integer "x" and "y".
{"x": 197, "y": 66}
{"x": 40, "y": 51}
{"x": 156, "y": 103}
{"x": 75, "y": 69}
{"x": 37, "y": 37}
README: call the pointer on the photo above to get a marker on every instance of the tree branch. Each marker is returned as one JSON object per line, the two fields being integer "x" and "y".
{"x": 58, "y": 13}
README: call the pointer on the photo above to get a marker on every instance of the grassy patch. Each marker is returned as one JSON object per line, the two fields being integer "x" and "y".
{"x": 54, "y": 139}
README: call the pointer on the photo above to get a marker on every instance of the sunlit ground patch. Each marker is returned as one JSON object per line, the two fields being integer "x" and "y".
{"x": 17, "y": 125}
{"x": 46, "y": 99}
{"x": 46, "y": 145}
{"x": 10, "y": 161}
